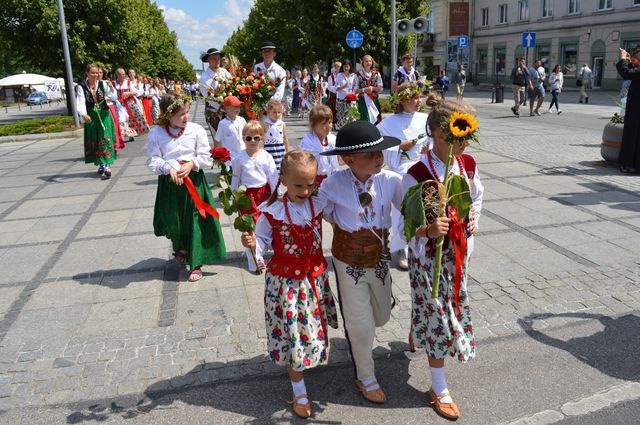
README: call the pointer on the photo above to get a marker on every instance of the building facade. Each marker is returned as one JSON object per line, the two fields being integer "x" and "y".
{"x": 568, "y": 32}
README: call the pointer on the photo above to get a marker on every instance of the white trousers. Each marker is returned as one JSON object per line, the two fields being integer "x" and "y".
{"x": 365, "y": 303}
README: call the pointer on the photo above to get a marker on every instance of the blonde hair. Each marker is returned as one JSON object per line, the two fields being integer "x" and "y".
{"x": 444, "y": 109}
{"x": 293, "y": 159}
{"x": 273, "y": 104}
{"x": 253, "y": 127}
{"x": 319, "y": 115}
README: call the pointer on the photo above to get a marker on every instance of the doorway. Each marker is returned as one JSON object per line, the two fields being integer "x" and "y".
{"x": 598, "y": 68}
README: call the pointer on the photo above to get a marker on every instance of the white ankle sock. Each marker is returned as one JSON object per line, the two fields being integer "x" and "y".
{"x": 298, "y": 389}
{"x": 439, "y": 383}
{"x": 366, "y": 382}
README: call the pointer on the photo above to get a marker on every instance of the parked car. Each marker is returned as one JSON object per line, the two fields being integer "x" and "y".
{"x": 37, "y": 98}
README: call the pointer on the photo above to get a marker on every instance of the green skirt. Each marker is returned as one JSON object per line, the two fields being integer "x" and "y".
{"x": 176, "y": 217}
{"x": 100, "y": 139}
{"x": 364, "y": 112}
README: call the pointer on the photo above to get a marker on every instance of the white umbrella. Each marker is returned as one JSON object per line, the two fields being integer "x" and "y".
{"x": 24, "y": 80}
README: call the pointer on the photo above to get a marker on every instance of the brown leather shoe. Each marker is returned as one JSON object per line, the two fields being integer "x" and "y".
{"x": 375, "y": 396}
{"x": 301, "y": 410}
{"x": 446, "y": 410}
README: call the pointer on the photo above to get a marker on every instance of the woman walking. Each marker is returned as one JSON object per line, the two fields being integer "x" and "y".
{"x": 346, "y": 85}
{"x": 369, "y": 88}
{"x": 556, "y": 80}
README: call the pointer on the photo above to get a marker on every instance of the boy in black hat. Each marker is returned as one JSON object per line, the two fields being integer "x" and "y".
{"x": 359, "y": 203}
{"x": 271, "y": 69}
{"x": 210, "y": 78}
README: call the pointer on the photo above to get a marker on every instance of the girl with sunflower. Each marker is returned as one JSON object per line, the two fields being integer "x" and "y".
{"x": 439, "y": 246}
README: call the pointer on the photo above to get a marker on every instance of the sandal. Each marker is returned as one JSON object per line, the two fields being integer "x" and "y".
{"x": 301, "y": 410}
{"x": 181, "y": 258}
{"x": 446, "y": 410}
{"x": 375, "y": 396}
{"x": 195, "y": 275}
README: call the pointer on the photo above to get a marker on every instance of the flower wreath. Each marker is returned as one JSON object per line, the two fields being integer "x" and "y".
{"x": 415, "y": 89}
{"x": 165, "y": 117}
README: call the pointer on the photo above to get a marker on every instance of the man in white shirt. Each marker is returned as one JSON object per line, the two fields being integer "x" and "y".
{"x": 271, "y": 69}
{"x": 209, "y": 79}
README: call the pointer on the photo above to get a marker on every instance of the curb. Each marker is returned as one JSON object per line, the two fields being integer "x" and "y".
{"x": 42, "y": 136}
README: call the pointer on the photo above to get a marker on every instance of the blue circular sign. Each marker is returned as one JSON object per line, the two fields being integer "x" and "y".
{"x": 354, "y": 39}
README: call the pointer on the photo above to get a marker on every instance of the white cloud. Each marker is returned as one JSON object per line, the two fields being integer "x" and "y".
{"x": 196, "y": 34}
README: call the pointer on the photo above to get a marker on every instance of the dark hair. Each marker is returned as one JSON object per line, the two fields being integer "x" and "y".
{"x": 291, "y": 159}
{"x": 346, "y": 62}
{"x": 521, "y": 59}
{"x": 444, "y": 109}
{"x": 558, "y": 67}
{"x": 407, "y": 56}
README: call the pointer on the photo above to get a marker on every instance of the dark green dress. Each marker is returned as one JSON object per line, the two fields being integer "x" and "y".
{"x": 100, "y": 133}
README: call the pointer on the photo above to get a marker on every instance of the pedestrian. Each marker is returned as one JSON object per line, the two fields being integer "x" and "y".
{"x": 584, "y": 82}
{"x": 346, "y": 84}
{"x": 229, "y": 133}
{"x": 287, "y": 101}
{"x": 406, "y": 73}
{"x": 536, "y": 88}
{"x": 178, "y": 152}
{"x": 358, "y": 203}
{"x": 369, "y": 89}
{"x": 128, "y": 97}
{"x": 254, "y": 169}
{"x": 314, "y": 88}
{"x": 443, "y": 325}
{"x": 332, "y": 87}
{"x": 276, "y": 139}
{"x": 556, "y": 80}
{"x": 629, "y": 69}
{"x": 296, "y": 91}
{"x": 407, "y": 124}
{"x": 99, "y": 131}
{"x": 460, "y": 79}
{"x": 146, "y": 99}
{"x": 155, "y": 91}
{"x": 520, "y": 81}
{"x": 320, "y": 139}
{"x": 210, "y": 79}
{"x": 137, "y": 106}
{"x": 271, "y": 69}
{"x": 298, "y": 302}
{"x": 113, "y": 105}
{"x": 442, "y": 84}
{"x": 304, "y": 92}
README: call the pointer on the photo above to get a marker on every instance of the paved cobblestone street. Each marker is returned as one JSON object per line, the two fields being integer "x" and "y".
{"x": 94, "y": 311}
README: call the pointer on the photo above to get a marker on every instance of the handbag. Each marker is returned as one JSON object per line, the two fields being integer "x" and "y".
{"x": 579, "y": 82}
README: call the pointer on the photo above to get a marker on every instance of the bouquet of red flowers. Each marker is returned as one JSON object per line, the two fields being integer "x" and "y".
{"x": 254, "y": 90}
{"x": 350, "y": 97}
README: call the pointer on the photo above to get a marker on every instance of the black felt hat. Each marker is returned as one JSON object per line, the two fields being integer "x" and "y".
{"x": 268, "y": 45}
{"x": 211, "y": 51}
{"x": 361, "y": 136}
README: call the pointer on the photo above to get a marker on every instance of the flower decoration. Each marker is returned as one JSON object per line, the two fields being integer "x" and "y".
{"x": 350, "y": 97}
{"x": 416, "y": 88}
{"x": 461, "y": 127}
{"x": 165, "y": 117}
{"x": 220, "y": 154}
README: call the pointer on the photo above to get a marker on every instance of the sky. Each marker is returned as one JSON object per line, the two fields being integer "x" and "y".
{"x": 202, "y": 24}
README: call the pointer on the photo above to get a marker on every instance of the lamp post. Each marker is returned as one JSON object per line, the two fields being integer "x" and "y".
{"x": 394, "y": 52}
{"x": 67, "y": 61}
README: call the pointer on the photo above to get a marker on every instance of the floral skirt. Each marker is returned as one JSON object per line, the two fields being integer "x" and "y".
{"x": 292, "y": 317}
{"x": 342, "y": 114}
{"x": 100, "y": 138}
{"x": 155, "y": 109}
{"x": 434, "y": 322}
{"x": 137, "y": 119}
{"x": 176, "y": 217}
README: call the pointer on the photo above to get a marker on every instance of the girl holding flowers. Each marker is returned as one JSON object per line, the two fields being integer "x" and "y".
{"x": 441, "y": 210}
{"x": 178, "y": 152}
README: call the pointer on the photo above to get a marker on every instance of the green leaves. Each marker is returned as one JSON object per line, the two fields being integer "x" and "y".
{"x": 244, "y": 223}
{"x": 413, "y": 210}
{"x": 459, "y": 195}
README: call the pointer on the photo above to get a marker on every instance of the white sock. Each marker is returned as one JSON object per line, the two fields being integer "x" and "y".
{"x": 439, "y": 383}
{"x": 298, "y": 389}
{"x": 368, "y": 381}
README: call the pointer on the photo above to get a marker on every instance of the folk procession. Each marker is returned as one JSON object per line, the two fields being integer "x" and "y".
{"x": 395, "y": 186}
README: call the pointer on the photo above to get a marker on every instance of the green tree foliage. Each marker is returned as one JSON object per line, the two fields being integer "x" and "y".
{"x": 306, "y": 32}
{"x": 117, "y": 33}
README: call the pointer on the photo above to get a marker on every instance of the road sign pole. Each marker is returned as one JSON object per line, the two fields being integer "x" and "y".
{"x": 526, "y": 56}
{"x": 394, "y": 49}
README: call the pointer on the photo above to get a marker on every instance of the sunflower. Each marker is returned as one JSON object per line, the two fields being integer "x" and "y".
{"x": 462, "y": 125}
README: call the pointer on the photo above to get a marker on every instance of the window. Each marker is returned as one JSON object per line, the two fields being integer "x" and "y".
{"x": 485, "y": 17}
{"x": 569, "y": 58}
{"x": 574, "y": 7}
{"x": 604, "y": 4}
{"x": 431, "y": 28}
{"x": 483, "y": 58}
{"x": 523, "y": 10}
{"x": 543, "y": 52}
{"x": 500, "y": 54}
{"x": 547, "y": 8}
{"x": 502, "y": 18}
{"x": 636, "y": 2}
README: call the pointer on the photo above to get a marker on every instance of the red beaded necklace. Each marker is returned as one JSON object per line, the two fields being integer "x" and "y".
{"x": 433, "y": 169}
{"x": 297, "y": 230}
{"x": 172, "y": 135}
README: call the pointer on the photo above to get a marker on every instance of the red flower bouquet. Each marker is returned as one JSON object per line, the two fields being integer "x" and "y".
{"x": 351, "y": 97}
{"x": 220, "y": 154}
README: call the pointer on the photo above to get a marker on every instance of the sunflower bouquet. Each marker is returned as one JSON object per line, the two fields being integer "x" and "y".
{"x": 430, "y": 199}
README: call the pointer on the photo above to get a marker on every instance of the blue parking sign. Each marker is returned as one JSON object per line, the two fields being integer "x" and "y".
{"x": 463, "y": 41}
{"x": 528, "y": 40}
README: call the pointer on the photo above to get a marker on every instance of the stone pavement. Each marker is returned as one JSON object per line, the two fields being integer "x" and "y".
{"x": 92, "y": 308}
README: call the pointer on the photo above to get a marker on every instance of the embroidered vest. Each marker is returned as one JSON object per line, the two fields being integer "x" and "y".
{"x": 100, "y": 95}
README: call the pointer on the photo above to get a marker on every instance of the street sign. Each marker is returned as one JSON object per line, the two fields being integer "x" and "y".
{"x": 528, "y": 40}
{"x": 354, "y": 39}
{"x": 463, "y": 41}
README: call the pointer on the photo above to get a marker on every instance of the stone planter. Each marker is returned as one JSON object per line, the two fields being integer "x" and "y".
{"x": 611, "y": 141}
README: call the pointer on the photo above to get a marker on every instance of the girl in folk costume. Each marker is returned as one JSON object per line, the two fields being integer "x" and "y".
{"x": 114, "y": 105}
{"x": 288, "y": 95}
{"x": 99, "y": 131}
{"x": 405, "y": 74}
{"x": 315, "y": 89}
{"x": 299, "y": 305}
{"x": 332, "y": 87}
{"x": 254, "y": 169}
{"x": 369, "y": 88}
{"x": 319, "y": 139}
{"x": 155, "y": 92}
{"x": 127, "y": 98}
{"x": 442, "y": 324}
{"x": 178, "y": 152}
{"x": 407, "y": 124}
{"x": 346, "y": 85}
{"x": 146, "y": 99}
{"x": 304, "y": 92}
{"x": 276, "y": 140}
{"x": 138, "y": 87}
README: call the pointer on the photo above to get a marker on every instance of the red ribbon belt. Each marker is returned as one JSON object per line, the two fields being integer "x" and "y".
{"x": 202, "y": 207}
{"x": 459, "y": 240}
